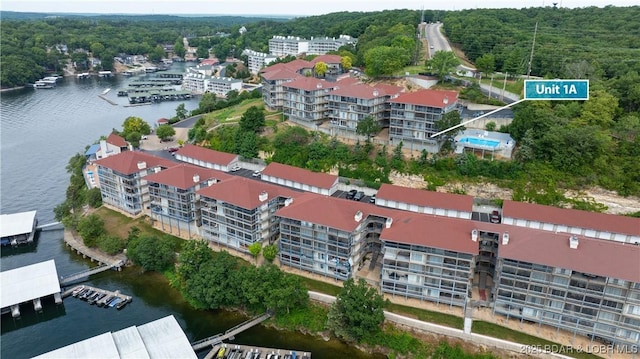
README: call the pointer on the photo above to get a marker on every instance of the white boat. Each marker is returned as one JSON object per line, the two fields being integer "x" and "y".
{"x": 51, "y": 79}
{"x": 40, "y": 84}
{"x": 106, "y": 91}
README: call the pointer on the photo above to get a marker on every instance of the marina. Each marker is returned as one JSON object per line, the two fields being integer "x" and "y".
{"x": 234, "y": 351}
{"x": 18, "y": 228}
{"x": 28, "y": 284}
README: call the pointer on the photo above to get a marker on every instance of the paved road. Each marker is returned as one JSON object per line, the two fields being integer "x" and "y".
{"x": 436, "y": 39}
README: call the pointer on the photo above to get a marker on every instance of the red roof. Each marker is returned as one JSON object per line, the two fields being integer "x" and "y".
{"x": 431, "y": 98}
{"x": 245, "y": 192}
{"x": 310, "y": 84}
{"x": 300, "y": 175}
{"x": 116, "y": 140}
{"x": 327, "y": 59}
{"x": 298, "y": 64}
{"x": 332, "y": 212}
{"x": 420, "y": 197}
{"x": 451, "y": 234}
{"x": 282, "y": 74}
{"x": 593, "y": 256}
{"x": 162, "y": 121}
{"x": 181, "y": 176}
{"x": 571, "y": 217}
{"x": 207, "y": 155}
{"x": 363, "y": 91}
{"x": 127, "y": 162}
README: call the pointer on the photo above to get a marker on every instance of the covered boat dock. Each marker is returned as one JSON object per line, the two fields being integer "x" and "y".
{"x": 18, "y": 228}
{"x": 28, "y": 283}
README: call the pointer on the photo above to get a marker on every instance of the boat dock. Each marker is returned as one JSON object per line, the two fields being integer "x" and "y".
{"x": 18, "y": 228}
{"x": 100, "y": 297}
{"x": 105, "y": 262}
{"x": 233, "y": 351}
{"x": 106, "y": 99}
{"x": 28, "y": 284}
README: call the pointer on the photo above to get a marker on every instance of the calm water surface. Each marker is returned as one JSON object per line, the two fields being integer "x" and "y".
{"x": 40, "y": 130}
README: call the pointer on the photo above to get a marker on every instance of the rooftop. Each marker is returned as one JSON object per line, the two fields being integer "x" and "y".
{"x": 300, "y": 175}
{"x": 207, "y": 155}
{"x": 360, "y": 90}
{"x": 572, "y": 217}
{"x": 310, "y": 84}
{"x": 184, "y": 176}
{"x": 430, "y": 98}
{"x": 29, "y": 282}
{"x": 127, "y": 162}
{"x": 16, "y": 223}
{"x": 425, "y": 198}
{"x": 162, "y": 338}
{"x": 244, "y": 192}
{"x": 116, "y": 140}
{"x": 593, "y": 256}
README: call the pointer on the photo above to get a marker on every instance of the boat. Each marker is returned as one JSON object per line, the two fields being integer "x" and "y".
{"x": 40, "y": 84}
{"x": 122, "y": 304}
{"x": 104, "y": 300}
{"x": 106, "y": 91}
{"x": 114, "y": 302}
{"x": 77, "y": 290}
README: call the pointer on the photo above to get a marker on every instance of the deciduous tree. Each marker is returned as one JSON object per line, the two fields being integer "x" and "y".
{"x": 442, "y": 63}
{"x": 165, "y": 132}
{"x": 135, "y": 124}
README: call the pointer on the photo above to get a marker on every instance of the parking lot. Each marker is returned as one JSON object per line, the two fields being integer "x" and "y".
{"x": 343, "y": 194}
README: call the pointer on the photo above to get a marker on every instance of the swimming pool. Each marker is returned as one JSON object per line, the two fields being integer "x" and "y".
{"x": 479, "y": 142}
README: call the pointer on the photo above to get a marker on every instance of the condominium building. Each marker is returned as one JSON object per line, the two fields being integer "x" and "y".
{"x": 174, "y": 202}
{"x": 204, "y": 157}
{"x": 414, "y": 116}
{"x": 221, "y": 86}
{"x": 421, "y": 201}
{"x": 288, "y": 45}
{"x": 272, "y": 81}
{"x": 582, "y": 223}
{"x": 350, "y": 104}
{"x": 305, "y": 100}
{"x": 257, "y": 60}
{"x": 586, "y": 286}
{"x": 322, "y": 45}
{"x": 429, "y": 258}
{"x": 333, "y": 62}
{"x": 238, "y": 212}
{"x": 300, "y": 178}
{"x": 122, "y": 183}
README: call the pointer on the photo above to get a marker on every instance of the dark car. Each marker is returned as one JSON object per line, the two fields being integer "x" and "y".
{"x": 359, "y": 196}
{"x": 495, "y": 217}
{"x": 173, "y": 149}
{"x": 351, "y": 194}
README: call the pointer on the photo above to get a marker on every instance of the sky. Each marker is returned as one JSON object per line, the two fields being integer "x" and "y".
{"x": 278, "y": 7}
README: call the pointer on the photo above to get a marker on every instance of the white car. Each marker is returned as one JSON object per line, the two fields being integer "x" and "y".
{"x": 256, "y": 173}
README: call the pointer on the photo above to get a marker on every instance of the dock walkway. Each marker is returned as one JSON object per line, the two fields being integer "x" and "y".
{"x": 245, "y": 351}
{"x": 219, "y": 338}
{"x": 106, "y": 261}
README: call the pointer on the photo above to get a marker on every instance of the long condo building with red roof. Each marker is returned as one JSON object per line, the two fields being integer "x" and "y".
{"x": 572, "y": 270}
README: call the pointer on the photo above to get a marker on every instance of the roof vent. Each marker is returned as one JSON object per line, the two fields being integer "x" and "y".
{"x": 288, "y": 201}
{"x": 196, "y": 178}
{"x": 375, "y": 93}
{"x": 358, "y": 216}
{"x": 474, "y": 235}
{"x": 505, "y": 238}
{"x": 142, "y": 165}
{"x": 211, "y": 181}
{"x": 573, "y": 242}
{"x": 388, "y": 222}
{"x": 263, "y": 196}
{"x": 318, "y": 85}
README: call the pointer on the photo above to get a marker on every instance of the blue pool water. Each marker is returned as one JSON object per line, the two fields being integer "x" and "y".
{"x": 479, "y": 142}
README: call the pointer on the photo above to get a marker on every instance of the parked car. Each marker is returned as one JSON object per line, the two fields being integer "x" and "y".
{"x": 359, "y": 196}
{"x": 173, "y": 149}
{"x": 351, "y": 194}
{"x": 495, "y": 217}
{"x": 234, "y": 169}
{"x": 256, "y": 173}
{"x": 372, "y": 199}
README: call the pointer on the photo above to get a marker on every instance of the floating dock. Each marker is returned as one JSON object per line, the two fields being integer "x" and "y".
{"x": 100, "y": 297}
{"x": 228, "y": 351}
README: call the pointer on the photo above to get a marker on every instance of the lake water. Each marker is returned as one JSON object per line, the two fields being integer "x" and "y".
{"x": 40, "y": 130}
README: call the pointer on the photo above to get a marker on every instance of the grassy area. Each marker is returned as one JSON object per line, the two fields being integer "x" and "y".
{"x": 412, "y": 70}
{"x": 319, "y": 286}
{"x": 312, "y": 318}
{"x": 232, "y": 113}
{"x": 496, "y": 331}
{"x": 513, "y": 86}
{"x": 427, "y": 316}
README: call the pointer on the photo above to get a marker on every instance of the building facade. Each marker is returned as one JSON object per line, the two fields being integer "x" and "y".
{"x": 174, "y": 201}
{"x": 288, "y": 45}
{"x": 238, "y": 212}
{"x": 257, "y": 60}
{"x": 305, "y": 100}
{"x": 322, "y": 45}
{"x": 122, "y": 183}
{"x": 414, "y": 116}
